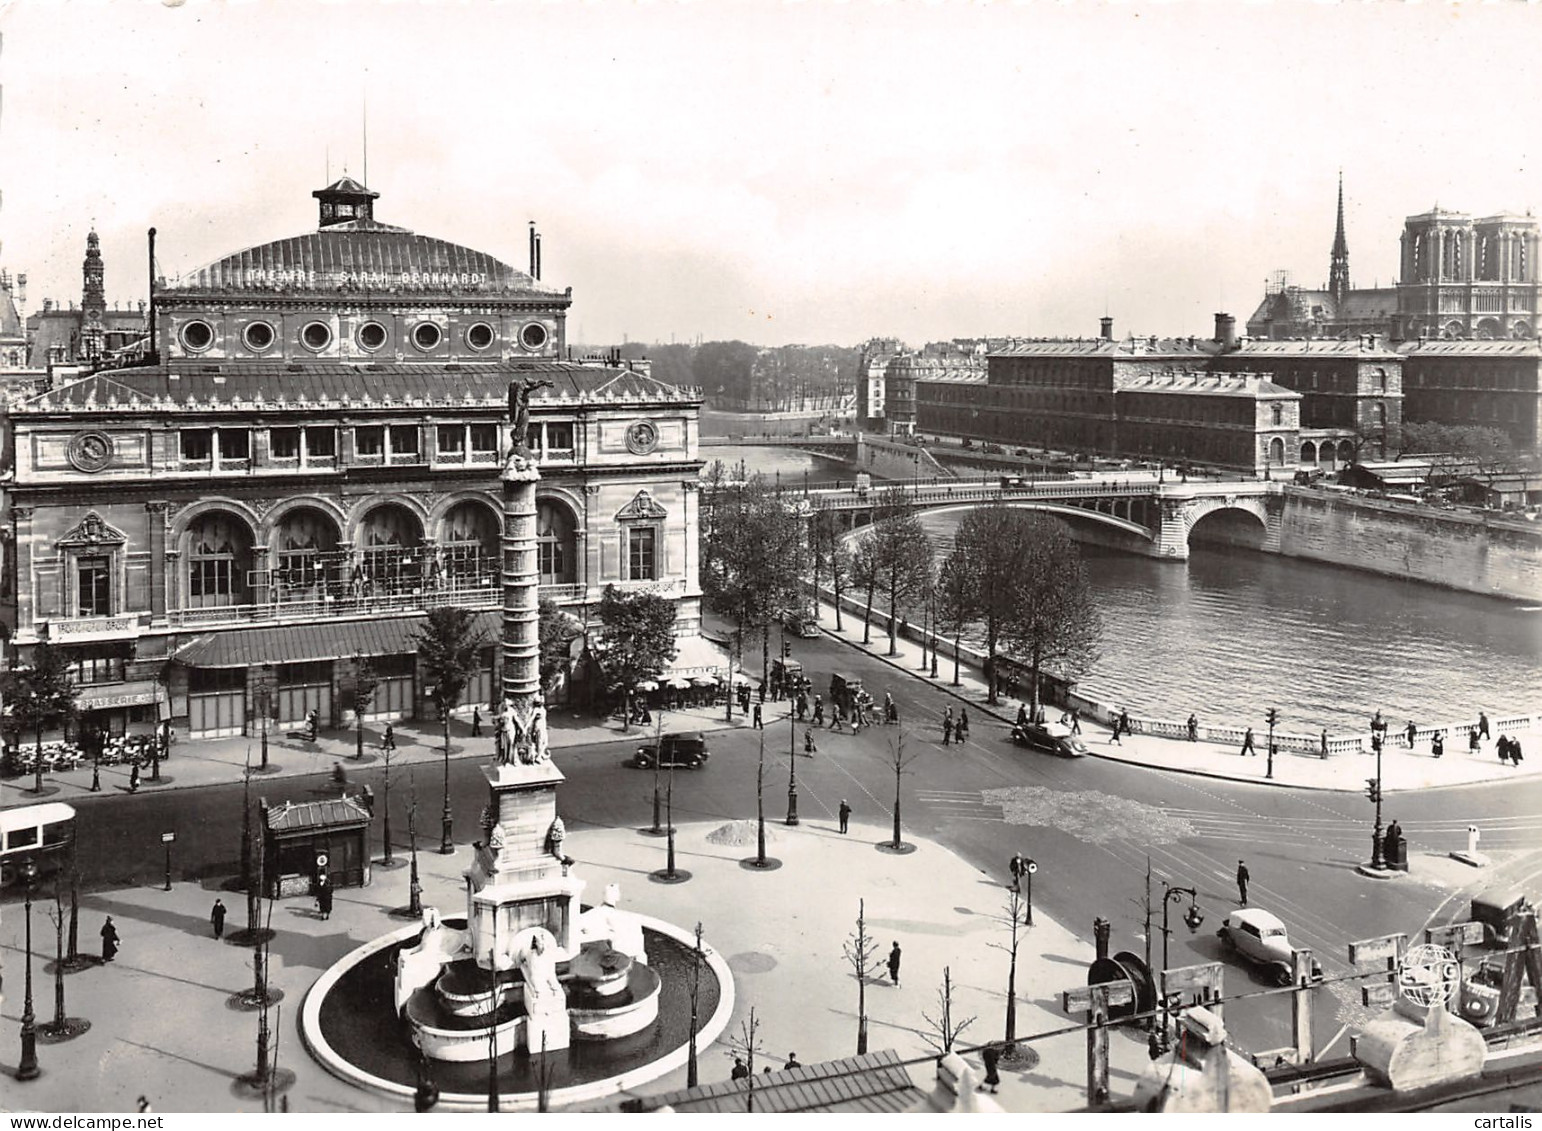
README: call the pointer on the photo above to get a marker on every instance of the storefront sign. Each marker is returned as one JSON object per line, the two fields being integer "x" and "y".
{"x": 301, "y": 277}
{"x": 130, "y": 696}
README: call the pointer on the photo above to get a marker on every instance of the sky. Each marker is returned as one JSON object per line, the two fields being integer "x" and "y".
{"x": 813, "y": 172}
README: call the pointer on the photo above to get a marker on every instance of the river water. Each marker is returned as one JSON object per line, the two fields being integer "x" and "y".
{"x": 1231, "y": 633}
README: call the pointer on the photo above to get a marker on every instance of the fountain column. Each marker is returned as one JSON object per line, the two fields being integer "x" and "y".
{"x": 521, "y": 582}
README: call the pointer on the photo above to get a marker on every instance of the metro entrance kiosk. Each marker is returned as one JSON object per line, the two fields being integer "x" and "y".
{"x": 302, "y": 841}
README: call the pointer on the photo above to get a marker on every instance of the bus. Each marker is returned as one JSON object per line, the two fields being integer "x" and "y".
{"x": 42, "y": 832}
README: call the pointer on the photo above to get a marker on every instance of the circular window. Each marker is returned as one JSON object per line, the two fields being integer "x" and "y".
{"x": 372, "y": 335}
{"x": 480, "y": 336}
{"x": 426, "y": 336}
{"x": 258, "y": 336}
{"x": 197, "y": 336}
{"x": 316, "y": 335}
{"x": 533, "y": 336}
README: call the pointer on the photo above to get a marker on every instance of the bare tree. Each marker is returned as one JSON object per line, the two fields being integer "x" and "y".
{"x": 745, "y": 1046}
{"x": 861, "y": 951}
{"x": 698, "y": 958}
{"x": 900, "y": 761}
{"x": 1011, "y": 918}
{"x": 944, "y": 1030}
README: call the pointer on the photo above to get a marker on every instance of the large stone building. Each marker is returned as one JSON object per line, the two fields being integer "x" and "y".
{"x": 1459, "y": 278}
{"x": 1490, "y": 384}
{"x": 308, "y": 459}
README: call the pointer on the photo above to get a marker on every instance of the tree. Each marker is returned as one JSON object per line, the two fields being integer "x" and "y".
{"x": 448, "y": 645}
{"x": 746, "y": 1046}
{"x": 637, "y": 643}
{"x": 1011, "y": 917}
{"x": 866, "y": 571}
{"x": 557, "y": 631}
{"x": 824, "y": 531}
{"x": 944, "y": 1029}
{"x": 39, "y": 695}
{"x": 956, "y": 601}
{"x": 754, "y": 548}
{"x": 899, "y": 761}
{"x": 1054, "y": 621}
{"x": 359, "y": 693}
{"x": 904, "y": 565}
{"x": 698, "y": 959}
{"x": 861, "y": 951}
{"x": 62, "y": 1027}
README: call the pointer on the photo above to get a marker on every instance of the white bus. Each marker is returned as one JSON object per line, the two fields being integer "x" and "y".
{"x": 43, "y": 832}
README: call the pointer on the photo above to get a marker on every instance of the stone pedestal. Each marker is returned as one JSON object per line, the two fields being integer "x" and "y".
{"x": 1412, "y": 1046}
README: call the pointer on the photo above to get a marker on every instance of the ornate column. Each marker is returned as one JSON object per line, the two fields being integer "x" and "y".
{"x": 521, "y": 582}
{"x": 26, "y": 581}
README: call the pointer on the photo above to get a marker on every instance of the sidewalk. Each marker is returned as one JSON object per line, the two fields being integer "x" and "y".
{"x": 220, "y": 761}
{"x": 162, "y": 1025}
{"x": 1401, "y": 768}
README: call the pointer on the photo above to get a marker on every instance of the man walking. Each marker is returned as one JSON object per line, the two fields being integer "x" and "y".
{"x": 1247, "y": 748}
{"x": 1076, "y": 720}
{"x": 1482, "y": 725}
{"x": 388, "y": 739}
{"x": 947, "y": 727}
{"x": 845, "y": 815}
{"x": 1242, "y": 883}
{"x": 963, "y": 725}
{"x": 1193, "y": 726}
{"x": 217, "y": 918}
{"x": 819, "y": 711}
{"x": 894, "y": 963}
{"x": 757, "y": 723}
{"x": 1016, "y": 868}
{"x": 889, "y": 714}
{"x": 1410, "y": 731}
{"x": 808, "y": 744}
{"x": 476, "y": 722}
{"x": 802, "y": 706}
{"x": 109, "y": 935}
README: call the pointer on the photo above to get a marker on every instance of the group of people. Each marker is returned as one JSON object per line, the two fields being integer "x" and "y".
{"x": 955, "y": 731}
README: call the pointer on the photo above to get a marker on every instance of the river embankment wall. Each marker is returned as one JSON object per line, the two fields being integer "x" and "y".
{"x": 1475, "y": 553}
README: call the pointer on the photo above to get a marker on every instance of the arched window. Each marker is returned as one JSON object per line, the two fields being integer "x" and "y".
{"x": 470, "y": 542}
{"x": 1276, "y": 451}
{"x": 219, "y": 554}
{"x": 306, "y": 560}
{"x": 392, "y": 560}
{"x": 555, "y": 543}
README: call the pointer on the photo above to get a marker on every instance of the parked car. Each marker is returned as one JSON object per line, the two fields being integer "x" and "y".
{"x": 687, "y": 750}
{"x": 1494, "y": 912}
{"x": 1054, "y": 737}
{"x": 1260, "y": 937}
{"x": 1480, "y": 994}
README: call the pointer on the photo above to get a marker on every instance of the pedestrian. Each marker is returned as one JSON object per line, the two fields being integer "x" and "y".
{"x": 1124, "y": 720}
{"x": 1247, "y": 744}
{"x": 1242, "y": 883}
{"x": 757, "y": 720}
{"x": 741, "y": 1070}
{"x": 217, "y": 918}
{"x": 109, "y": 935}
{"x": 990, "y": 1056}
{"x": 1482, "y": 725}
{"x": 963, "y": 724}
{"x": 144, "y": 1104}
{"x": 802, "y": 706}
{"x": 1503, "y": 748}
{"x": 388, "y": 739}
{"x": 1193, "y": 729}
{"x": 761, "y": 691}
{"x": 1410, "y": 731}
{"x": 808, "y": 743}
{"x": 312, "y": 724}
{"x": 1472, "y": 741}
{"x": 134, "y": 776}
{"x": 845, "y": 815}
{"x": 367, "y": 797}
{"x": 1016, "y": 866}
{"x": 1022, "y": 716}
{"x": 1076, "y": 720}
{"x": 324, "y": 899}
{"x": 1323, "y": 743}
{"x": 1118, "y": 722}
{"x": 476, "y": 722}
{"x": 894, "y": 963}
{"x": 819, "y": 711}
{"x": 792, "y": 1061}
{"x": 1437, "y": 744}
{"x": 889, "y": 714}
{"x": 947, "y": 727}
{"x": 1515, "y": 752}
{"x": 893, "y": 714}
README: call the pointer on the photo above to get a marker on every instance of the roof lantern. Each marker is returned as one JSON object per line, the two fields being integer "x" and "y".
{"x": 344, "y": 201}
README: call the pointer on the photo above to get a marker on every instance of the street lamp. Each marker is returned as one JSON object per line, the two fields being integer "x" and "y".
{"x": 792, "y": 768}
{"x": 1192, "y": 918}
{"x": 264, "y": 705}
{"x": 1272, "y": 717}
{"x": 1373, "y": 791}
{"x": 28, "y": 1068}
{"x": 446, "y": 843}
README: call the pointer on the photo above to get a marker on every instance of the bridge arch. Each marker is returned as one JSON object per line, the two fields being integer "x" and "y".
{"x": 1227, "y": 522}
{"x": 1112, "y": 528}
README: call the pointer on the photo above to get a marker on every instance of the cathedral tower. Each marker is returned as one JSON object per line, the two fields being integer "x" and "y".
{"x": 93, "y": 302}
{"x": 1338, "y": 270}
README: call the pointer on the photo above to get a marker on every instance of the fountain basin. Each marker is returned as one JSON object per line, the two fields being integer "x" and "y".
{"x": 599, "y": 969}
{"x": 461, "y": 1037}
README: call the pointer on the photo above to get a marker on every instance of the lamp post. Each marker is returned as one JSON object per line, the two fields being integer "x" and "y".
{"x": 933, "y": 599}
{"x": 1272, "y": 717}
{"x": 28, "y": 1068}
{"x": 414, "y": 887}
{"x": 446, "y": 843}
{"x": 1192, "y": 918}
{"x": 1373, "y": 791}
{"x": 264, "y": 704}
{"x": 792, "y": 768}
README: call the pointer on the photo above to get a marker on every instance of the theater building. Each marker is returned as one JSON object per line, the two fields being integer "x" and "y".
{"x": 307, "y": 460}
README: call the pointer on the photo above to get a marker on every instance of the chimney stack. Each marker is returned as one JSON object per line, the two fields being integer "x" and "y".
{"x": 532, "y": 249}
{"x": 1226, "y": 331}
{"x": 1106, "y": 328}
{"x": 538, "y": 256}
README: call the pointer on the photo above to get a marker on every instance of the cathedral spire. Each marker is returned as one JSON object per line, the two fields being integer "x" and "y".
{"x": 1338, "y": 270}
{"x": 93, "y": 301}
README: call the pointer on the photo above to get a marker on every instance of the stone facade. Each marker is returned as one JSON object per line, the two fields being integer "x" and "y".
{"x": 238, "y": 517}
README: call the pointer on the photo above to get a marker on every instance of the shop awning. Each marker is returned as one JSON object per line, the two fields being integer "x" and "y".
{"x": 696, "y": 655}
{"x": 302, "y": 643}
{"x": 110, "y": 695}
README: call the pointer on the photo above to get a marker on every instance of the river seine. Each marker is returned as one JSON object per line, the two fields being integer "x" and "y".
{"x": 1231, "y": 633}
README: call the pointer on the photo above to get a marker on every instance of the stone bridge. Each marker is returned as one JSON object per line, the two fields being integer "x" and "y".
{"x": 1136, "y": 512}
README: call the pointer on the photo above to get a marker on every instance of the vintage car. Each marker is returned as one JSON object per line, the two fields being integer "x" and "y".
{"x": 1480, "y": 994}
{"x": 687, "y": 750}
{"x": 1494, "y": 912}
{"x": 844, "y": 691}
{"x": 1054, "y": 737}
{"x": 802, "y": 624}
{"x": 1259, "y": 937}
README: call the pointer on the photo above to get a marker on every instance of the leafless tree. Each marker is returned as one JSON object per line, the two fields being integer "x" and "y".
{"x": 944, "y": 1029}
{"x": 899, "y": 760}
{"x": 1011, "y": 918}
{"x": 861, "y": 951}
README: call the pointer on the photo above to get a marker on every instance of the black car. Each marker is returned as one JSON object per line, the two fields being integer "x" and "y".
{"x": 687, "y": 751}
{"x": 1054, "y": 737}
